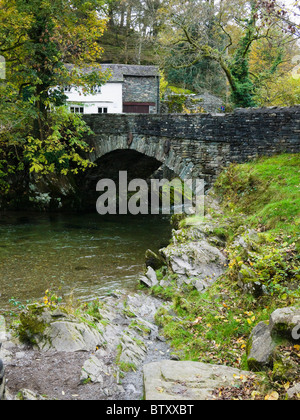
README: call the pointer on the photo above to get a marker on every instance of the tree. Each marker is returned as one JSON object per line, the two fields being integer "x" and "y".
{"x": 225, "y": 34}
{"x": 286, "y": 17}
{"x": 133, "y": 28}
{"x": 37, "y": 39}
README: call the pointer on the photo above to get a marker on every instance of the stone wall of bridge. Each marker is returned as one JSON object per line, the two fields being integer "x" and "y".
{"x": 199, "y": 145}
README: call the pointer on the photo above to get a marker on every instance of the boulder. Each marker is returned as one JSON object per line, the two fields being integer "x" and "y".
{"x": 143, "y": 306}
{"x": 260, "y": 348}
{"x": 153, "y": 260}
{"x": 150, "y": 278}
{"x": 55, "y": 330}
{"x": 285, "y": 322}
{"x": 2, "y": 329}
{"x": 66, "y": 336}
{"x": 94, "y": 369}
{"x": 196, "y": 263}
{"x": 5, "y": 345}
{"x": 267, "y": 343}
{"x": 171, "y": 380}
{"x": 294, "y": 392}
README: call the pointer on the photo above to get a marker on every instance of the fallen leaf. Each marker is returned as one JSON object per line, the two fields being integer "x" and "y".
{"x": 297, "y": 347}
{"x": 197, "y": 320}
{"x": 274, "y": 396}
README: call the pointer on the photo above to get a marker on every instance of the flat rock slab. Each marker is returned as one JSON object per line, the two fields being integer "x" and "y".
{"x": 171, "y": 380}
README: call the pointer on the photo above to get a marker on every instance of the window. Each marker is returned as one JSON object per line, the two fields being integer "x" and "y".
{"x": 77, "y": 110}
{"x": 102, "y": 110}
{"x": 96, "y": 89}
{"x": 67, "y": 89}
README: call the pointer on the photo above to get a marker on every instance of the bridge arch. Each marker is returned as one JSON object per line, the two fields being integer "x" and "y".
{"x": 112, "y": 159}
{"x": 157, "y": 149}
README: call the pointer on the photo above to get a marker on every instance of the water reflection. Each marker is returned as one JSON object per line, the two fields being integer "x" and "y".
{"x": 82, "y": 254}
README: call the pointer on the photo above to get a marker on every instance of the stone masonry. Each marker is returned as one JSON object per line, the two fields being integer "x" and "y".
{"x": 199, "y": 145}
{"x": 142, "y": 89}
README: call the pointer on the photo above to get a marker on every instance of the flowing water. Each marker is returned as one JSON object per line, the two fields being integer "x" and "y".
{"x": 83, "y": 255}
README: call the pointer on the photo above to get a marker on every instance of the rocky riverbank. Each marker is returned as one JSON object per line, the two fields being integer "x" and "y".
{"x": 94, "y": 352}
{"x": 233, "y": 279}
{"x": 116, "y": 348}
{"x": 219, "y": 318}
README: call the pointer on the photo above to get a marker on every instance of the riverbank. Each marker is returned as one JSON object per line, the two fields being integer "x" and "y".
{"x": 95, "y": 351}
{"x": 224, "y": 295}
{"x": 223, "y": 313}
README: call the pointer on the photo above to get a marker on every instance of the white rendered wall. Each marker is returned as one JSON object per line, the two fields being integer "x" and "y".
{"x": 111, "y": 97}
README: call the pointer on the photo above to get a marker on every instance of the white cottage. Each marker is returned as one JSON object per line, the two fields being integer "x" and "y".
{"x": 131, "y": 89}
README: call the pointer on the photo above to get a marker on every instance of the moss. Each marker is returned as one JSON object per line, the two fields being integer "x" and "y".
{"x": 140, "y": 327}
{"x": 93, "y": 309}
{"x": 32, "y": 325}
{"x": 265, "y": 191}
{"x": 93, "y": 325}
{"x": 127, "y": 367}
{"x": 283, "y": 330}
{"x": 129, "y": 314}
{"x": 285, "y": 370}
{"x": 162, "y": 317}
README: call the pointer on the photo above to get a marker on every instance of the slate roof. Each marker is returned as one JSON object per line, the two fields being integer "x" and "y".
{"x": 119, "y": 71}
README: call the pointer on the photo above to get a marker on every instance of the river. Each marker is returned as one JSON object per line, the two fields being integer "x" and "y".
{"x": 81, "y": 255}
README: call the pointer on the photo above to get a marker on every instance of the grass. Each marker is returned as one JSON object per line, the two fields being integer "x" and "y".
{"x": 213, "y": 327}
{"x": 267, "y": 192}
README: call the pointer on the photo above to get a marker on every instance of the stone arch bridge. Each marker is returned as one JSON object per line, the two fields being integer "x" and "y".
{"x": 191, "y": 145}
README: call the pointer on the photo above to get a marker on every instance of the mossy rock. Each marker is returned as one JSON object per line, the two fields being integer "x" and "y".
{"x": 284, "y": 321}
{"x": 260, "y": 348}
{"x": 153, "y": 260}
{"x": 285, "y": 368}
{"x": 33, "y": 323}
{"x": 53, "y": 329}
{"x": 176, "y": 220}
